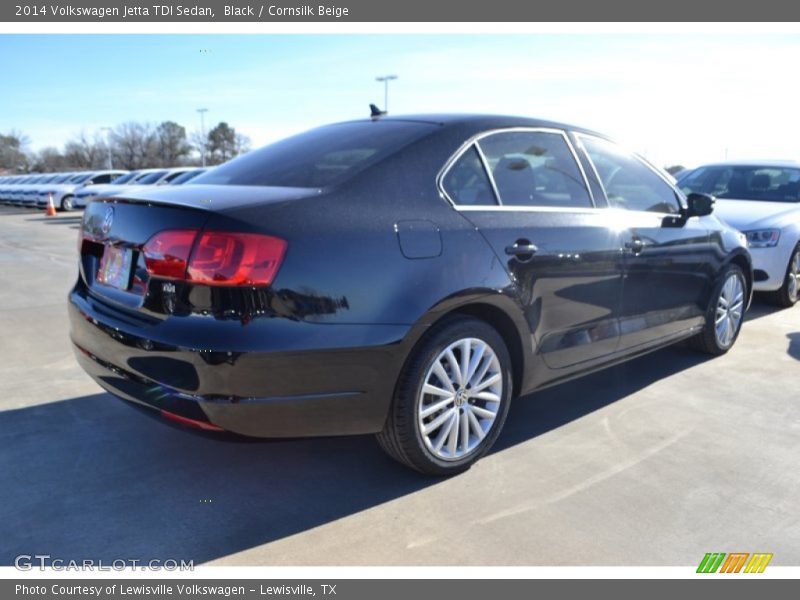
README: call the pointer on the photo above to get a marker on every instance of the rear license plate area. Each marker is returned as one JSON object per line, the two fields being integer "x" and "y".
{"x": 115, "y": 267}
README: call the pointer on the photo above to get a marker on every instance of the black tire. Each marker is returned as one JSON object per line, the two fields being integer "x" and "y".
{"x": 402, "y": 437}
{"x": 783, "y": 296}
{"x": 707, "y": 340}
{"x": 67, "y": 204}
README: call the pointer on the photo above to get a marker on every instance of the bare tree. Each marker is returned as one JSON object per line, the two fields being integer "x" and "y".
{"x": 134, "y": 145}
{"x": 13, "y": 155}
{"x": 84, "y": 153}
{"x": 49, "y": 160}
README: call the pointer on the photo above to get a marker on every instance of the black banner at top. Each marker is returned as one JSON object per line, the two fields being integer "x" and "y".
{"x": 397, "y": 11}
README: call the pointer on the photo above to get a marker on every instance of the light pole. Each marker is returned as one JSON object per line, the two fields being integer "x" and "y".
{"x": 108, "y": 147}
{"x": 386, "y": 79}
{"x": 203, "y": 112}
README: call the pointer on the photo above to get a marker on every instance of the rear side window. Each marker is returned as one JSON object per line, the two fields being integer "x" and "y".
{"x": 535, "y": 169}
{"x": 628, "y": 182}
{"x": 321, "y": 157}
{"x": 466, "y": 183}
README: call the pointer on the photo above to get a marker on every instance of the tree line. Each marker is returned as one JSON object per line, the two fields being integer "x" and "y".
{"x": 130, "y": 145}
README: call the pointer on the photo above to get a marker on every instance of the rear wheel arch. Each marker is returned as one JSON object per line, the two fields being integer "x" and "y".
{"x": 741, "y": 261}
{"x": 495, "y": 310}
{"x": 501, "y": 322}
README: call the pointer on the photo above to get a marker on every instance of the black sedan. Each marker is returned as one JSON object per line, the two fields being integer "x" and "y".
{"x": 406, "y": 277}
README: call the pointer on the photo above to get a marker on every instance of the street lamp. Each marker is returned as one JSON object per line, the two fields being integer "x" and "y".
{"x": 386, "y": 79}
{"x": 108, "y": 147}
{"x": 203, "y": 112}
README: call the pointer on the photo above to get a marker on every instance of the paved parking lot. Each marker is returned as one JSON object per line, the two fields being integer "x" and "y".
{"x": 651, "y": 463}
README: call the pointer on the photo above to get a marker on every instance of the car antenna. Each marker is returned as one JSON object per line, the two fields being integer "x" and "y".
{"x": 375, "y": 112}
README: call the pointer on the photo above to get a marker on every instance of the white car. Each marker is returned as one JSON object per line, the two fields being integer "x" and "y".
{"x": 762, "y": 200}
{"x": 85, "y": 194}
{"x": 64, "y": 193}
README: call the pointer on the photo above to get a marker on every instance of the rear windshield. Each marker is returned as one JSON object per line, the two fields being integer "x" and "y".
{"x": 321, "y": 157}
{"x": 769, "y": 184}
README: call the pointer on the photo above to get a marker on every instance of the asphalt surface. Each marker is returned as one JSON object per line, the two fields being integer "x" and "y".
{"x": 655, "y": 462}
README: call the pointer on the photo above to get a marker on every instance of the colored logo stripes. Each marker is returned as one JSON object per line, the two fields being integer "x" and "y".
{"x": 734, "y": 562}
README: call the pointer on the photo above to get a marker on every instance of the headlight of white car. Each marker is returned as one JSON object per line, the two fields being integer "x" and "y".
{"x": 763, "y": 238}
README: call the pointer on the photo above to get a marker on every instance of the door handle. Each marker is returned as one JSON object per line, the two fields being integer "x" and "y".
{"x": 522, "y": 249}
{"x": 636, "y": 245}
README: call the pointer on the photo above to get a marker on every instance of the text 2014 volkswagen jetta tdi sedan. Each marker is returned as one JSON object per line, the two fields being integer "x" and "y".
{"x": 400, "y": 276}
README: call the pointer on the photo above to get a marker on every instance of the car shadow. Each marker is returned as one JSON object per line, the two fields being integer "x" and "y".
{"x": 90, "y": 477}
{"x": 760, "y": 308}
{"x": 10, "y": 210}
{"x": 794, "y": 345}
{"x": 58, "y": 220}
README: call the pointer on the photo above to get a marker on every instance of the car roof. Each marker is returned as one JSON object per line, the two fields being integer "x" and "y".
{"x": 480, "y": 121}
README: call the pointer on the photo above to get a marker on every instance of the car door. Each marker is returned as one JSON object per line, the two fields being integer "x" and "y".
{"x": 524, "y": 190}
{"x": 667, "y": 266}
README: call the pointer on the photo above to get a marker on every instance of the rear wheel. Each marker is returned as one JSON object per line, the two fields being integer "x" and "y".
{"x": 67, "y": 203}
{"x": 787, "y": 295}
{"x": 724, "y": 315}
{"x": 451, "y": 400}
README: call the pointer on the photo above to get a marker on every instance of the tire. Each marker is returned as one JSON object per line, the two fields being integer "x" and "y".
{"x": 727, "y": 304}
{"x": 403, "y": 437}
{"x": 787, "y": 295}
{"x": 67, "y": 204}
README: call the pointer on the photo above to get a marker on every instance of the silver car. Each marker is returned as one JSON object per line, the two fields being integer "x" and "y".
{"x": 762, "y": 200}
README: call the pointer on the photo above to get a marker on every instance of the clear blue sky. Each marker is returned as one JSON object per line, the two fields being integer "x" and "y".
{"x": 676, "y": 98}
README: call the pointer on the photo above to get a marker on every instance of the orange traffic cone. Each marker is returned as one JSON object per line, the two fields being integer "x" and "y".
{"x": 51, "y": 207}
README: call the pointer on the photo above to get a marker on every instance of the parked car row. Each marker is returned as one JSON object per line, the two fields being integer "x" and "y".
{"x": 74, "y": 190}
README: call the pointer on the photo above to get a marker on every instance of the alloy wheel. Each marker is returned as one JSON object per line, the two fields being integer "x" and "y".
{"x": 460, "y": 399}
{"x": 730, "y": 309}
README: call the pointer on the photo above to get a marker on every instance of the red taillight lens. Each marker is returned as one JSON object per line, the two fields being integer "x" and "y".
{"x": 166, "y": 254}
{"x": 213, "y": 257}
{"x": 235, "y": 259}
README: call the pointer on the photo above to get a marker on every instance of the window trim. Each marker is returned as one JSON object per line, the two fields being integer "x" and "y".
{"x": 679, "y": 195}
{"x": 499, "y": 206}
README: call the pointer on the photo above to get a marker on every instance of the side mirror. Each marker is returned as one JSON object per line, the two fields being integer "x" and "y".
{"x": 699, "y": 205}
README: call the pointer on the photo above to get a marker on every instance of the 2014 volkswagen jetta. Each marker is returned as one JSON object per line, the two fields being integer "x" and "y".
{"x": 400, "y": 276}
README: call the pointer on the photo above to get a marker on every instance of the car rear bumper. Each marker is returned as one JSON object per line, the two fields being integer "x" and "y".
{"x": 280, "y": 378}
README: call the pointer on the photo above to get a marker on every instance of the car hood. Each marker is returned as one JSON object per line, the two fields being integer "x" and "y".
{"x": 95, "y": 190}
{"x": 216, "y": 197}
{"x": 751, "y": 214}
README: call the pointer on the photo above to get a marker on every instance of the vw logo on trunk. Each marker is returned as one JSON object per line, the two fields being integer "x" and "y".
{"x": 108, "y": 220}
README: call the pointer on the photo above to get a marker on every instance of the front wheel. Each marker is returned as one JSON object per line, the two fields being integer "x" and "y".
{"x": 787, "y": 295}
{"x": 451, "y": 399}
{"x": 66, "y": 203}
{"x": 725, "y": 313}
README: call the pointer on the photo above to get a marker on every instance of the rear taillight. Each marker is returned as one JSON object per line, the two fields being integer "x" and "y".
{"x": 166, "y": 254}
{"x": 214, "y": 257}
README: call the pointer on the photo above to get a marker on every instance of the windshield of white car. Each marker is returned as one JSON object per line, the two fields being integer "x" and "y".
{"x": 735, "y": 182}
{"x": 124, "y": 178}
{"x": 149, "y": 178}
{"x": 80, "y": 178}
